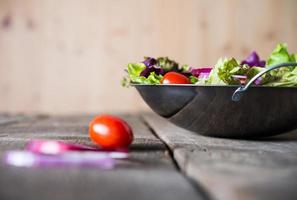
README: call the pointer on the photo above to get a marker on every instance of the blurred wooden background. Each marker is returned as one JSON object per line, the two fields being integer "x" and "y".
{"x": 68, "y": 56}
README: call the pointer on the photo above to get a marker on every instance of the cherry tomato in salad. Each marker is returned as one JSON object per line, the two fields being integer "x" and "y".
{"x": 110, "y": 132}
{"x": 175, "y": 78}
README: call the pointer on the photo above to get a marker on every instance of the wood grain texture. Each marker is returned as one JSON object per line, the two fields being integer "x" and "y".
{"x": 68, "y": 56}
{"x": 148, "y": 174}
{"x": 234, "y": 169}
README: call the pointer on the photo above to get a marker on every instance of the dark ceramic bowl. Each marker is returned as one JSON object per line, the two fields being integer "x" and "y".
{"x": 217, "y": 111}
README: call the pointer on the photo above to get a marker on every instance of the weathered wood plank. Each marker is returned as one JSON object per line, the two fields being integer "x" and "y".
{"x": 148, "y": 174}
{"x": 234, "y": 169}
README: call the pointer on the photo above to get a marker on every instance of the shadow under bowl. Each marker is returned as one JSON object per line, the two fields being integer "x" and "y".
{"x": 209, "y": 110}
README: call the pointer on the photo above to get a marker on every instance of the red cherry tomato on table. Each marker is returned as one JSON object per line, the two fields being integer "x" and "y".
{"x": 110, "y": 132}
{"x": 175, "y": 78}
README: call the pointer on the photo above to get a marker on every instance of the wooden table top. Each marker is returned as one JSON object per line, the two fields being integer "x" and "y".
{"x": 166, "y": 162}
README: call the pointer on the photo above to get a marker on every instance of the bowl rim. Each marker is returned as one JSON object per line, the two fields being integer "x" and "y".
{"x": 210, "y": 86}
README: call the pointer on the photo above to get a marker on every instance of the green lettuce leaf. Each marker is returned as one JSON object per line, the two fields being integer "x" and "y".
{"x": 285, "y": 76}
{"x": 265, "y": 78}
{"x": 213, "y": 78}
{"x": 294, "y": 56}
{"x": 167, "y": 64}
{"x": 185, "y": 68}
{"x": 134, "y": 70}
{"x": 280, "y": 55}
{"x": 224, "y": 70}
{"x": 253, "y": 72}
{"x": 153, "y": 79}
{"x": 288, "y": 79}
{"x": 193, "y": 79}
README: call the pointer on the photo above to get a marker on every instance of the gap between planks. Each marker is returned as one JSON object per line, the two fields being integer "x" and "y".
{"x": 166, "y": 145}
{"x": 195, "y": 184}
{"x": 233, "y": 169}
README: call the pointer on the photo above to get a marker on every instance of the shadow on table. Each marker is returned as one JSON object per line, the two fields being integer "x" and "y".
{"x": 147, "y": 147}
{"x": 286, "y": 137}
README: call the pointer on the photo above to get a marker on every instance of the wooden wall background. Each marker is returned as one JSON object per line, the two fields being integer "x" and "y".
{"x": 67, "y": 56}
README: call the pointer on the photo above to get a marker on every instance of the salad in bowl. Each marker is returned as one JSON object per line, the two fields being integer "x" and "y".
{"x": 207, "y": 100}
{"x": 227, "y": 71}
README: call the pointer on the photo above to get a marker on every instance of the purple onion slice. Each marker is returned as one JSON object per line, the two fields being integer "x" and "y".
{"x": 53, "y": 147}
{"x": 201, "y": 73}
{"x": 241, "y": 78}
{"x": 70, "y": 159}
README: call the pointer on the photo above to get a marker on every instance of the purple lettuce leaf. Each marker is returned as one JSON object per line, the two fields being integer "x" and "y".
{"x": 151, "y": 66}
{"x": 149, "y": 61}
{"x": 254, "y": 60}
{"x": 147, "y": 71}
